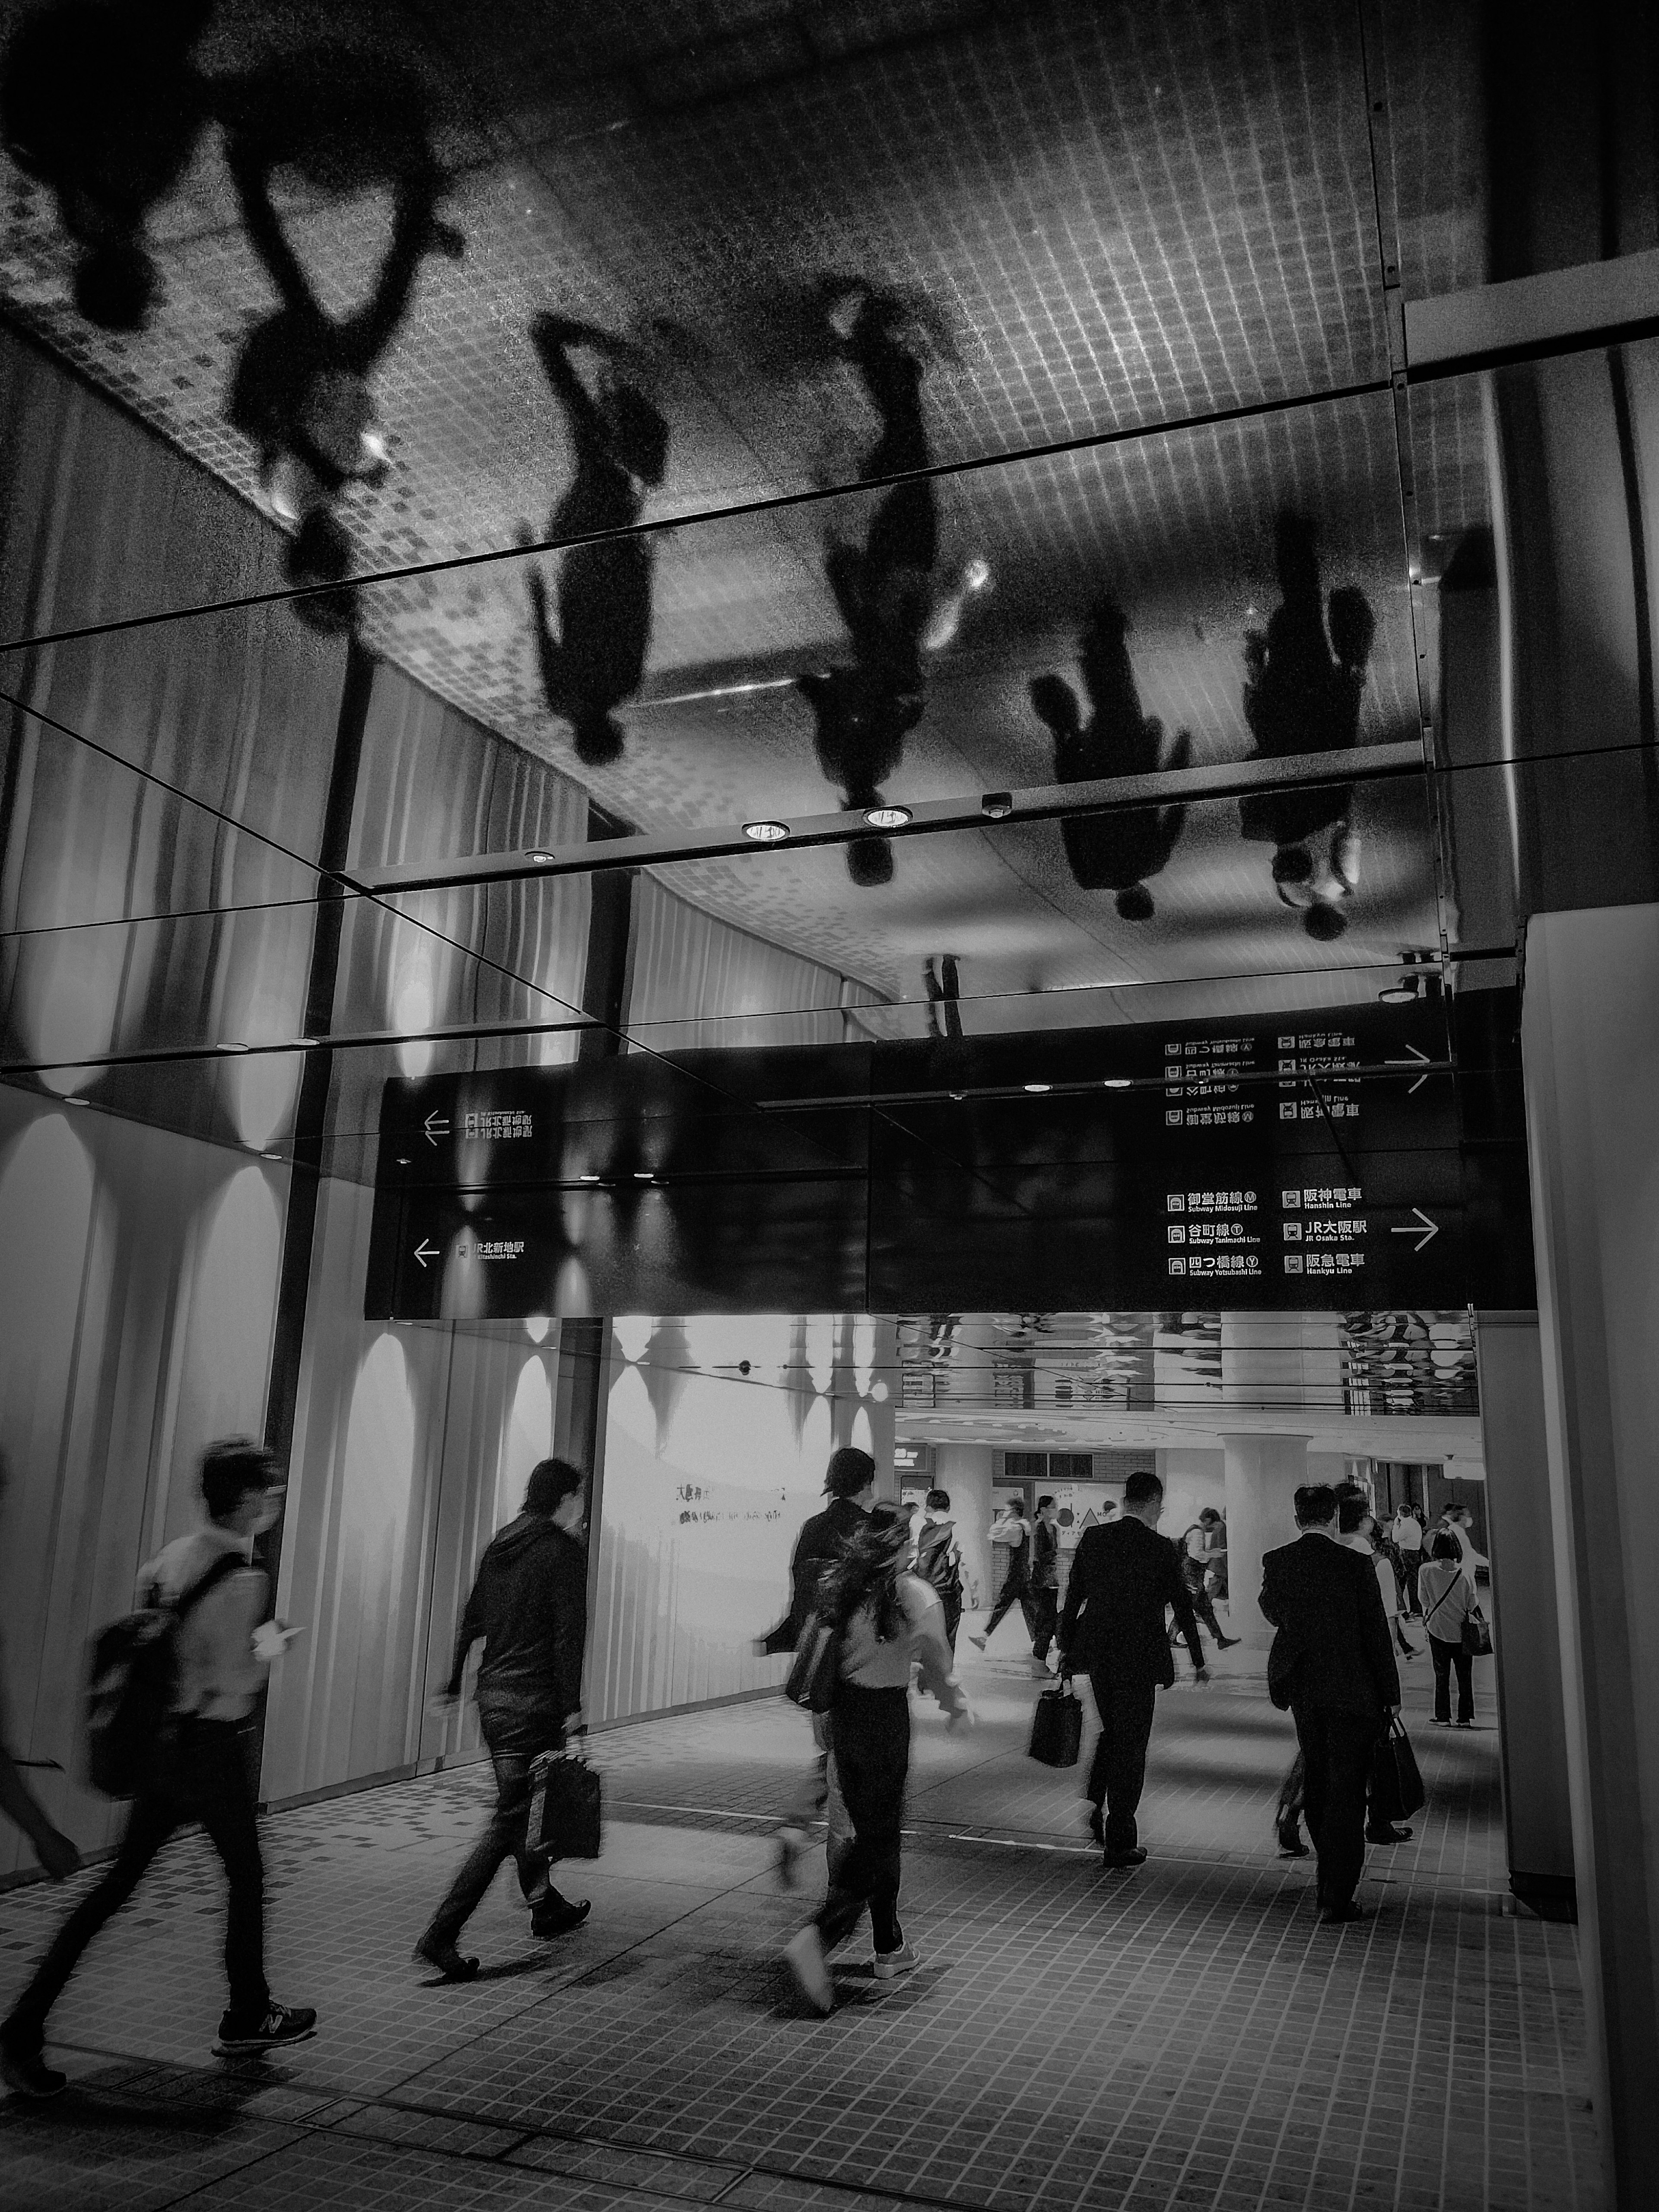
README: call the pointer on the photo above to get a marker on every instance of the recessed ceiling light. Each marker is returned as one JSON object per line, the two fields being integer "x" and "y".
{"x": 1115, "y": 1082}
{"x": 887, "y": 818}
{"x": 236, "y": 1048}
{"x": 997, "y": 805}
{"x": 1039, "y": 1086}
{"x": 766, "y": 833}
{"x": 541, "y": 860}
{"x": 1402, "y": 993}
{"x": 641, "y": 1175}
{"x": 589, "y": 1178}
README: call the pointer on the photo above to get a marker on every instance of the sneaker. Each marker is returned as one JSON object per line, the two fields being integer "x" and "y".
{"x": 1437, "y": 1723}
{"x": 445, "y": 1958}
{"x": 1388, "y": 1835}
{"x": 978, "y": 1643}
{"x": 25, "y": 2071}
{"x": 803, "y": 1956}
{"x": 1291, "y": 1846}
{"x": 280, "y": 2024}
{"x": 791, "y": 1845}
{"x": 1134, "y": 1857}
{"x": 551, "y": 1920}
{"x": 890, "y": 1965}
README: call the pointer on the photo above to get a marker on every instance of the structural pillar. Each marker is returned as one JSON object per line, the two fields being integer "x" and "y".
{"x": 1263, "y": 1474}
{"x": 1532, "y": 1716}
{"x": 1590, "y": 1054}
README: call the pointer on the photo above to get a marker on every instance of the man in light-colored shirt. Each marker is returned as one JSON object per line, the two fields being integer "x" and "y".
{"x": 223, "y": 1645}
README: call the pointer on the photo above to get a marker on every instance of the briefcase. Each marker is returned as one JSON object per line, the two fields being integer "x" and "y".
{"x": 565, "y": 1807}
{"x": 1396, "y": 1786}
{"x": 1057, "y": 1726}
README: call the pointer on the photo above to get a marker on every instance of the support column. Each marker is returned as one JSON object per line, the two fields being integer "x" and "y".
{"x": 1591, "y": 1056}
{"x": 1532, "y": 1717}
{"x": 1262, "y": 1475}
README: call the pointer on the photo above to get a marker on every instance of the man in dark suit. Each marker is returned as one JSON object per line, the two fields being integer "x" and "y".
{"x": 1332, "y": 1662}
{"x": 850, "y": 1481}
{"x": 1125, "y": 1578}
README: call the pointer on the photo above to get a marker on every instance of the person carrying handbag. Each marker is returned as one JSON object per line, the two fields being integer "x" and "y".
{"x": 1447, "y": 1602}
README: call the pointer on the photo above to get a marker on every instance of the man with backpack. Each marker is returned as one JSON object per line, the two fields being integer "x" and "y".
{"x": 938, "y": 1559}
{"x": 214, "y": 1643}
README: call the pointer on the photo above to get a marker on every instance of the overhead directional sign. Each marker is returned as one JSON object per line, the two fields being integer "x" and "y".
{"x": 1290, "y": 1160}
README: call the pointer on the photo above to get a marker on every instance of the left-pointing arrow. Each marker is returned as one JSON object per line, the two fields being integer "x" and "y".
{"x": 423, "y": 1252}
{"x": 436, "y": 1126}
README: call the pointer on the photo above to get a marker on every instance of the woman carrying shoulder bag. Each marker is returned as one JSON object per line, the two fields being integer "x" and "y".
{"x": 1448, "y": 1601}
{"x": 888, "y": 1619}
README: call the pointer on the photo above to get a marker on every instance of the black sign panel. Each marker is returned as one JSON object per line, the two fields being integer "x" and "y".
{"x": 1291, "y": 1161}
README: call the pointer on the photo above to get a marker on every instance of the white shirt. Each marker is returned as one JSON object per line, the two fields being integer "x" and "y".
{"x": 219, "y": 1675}
{"x": 1408, "y": 1532}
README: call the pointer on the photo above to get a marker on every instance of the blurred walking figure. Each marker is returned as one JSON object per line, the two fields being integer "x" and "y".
{"x": 224, "y": 1644}
{"x": 1045, "y": 1581}
{"x": 1195, "y": 1567}
{"x": 1126, "y": 1580}
{"x": 1448, "y": 1597}
{"x": 938, "y": 1559}
{"x": 344, "y": 123}
{"x": 849, "y": 1482}
{"x": 101, "y": 101}
{"x": 1407, "y": 1533}
{"x": 943, "y": 997}
{"x": 1011, "y": 1528}
{"x": 529, "y": 1606}
{"x": 1332, "y": 1664}
{"x": 1302, "y": 694}
{"x": 595, "y": 659}
{"x": 886, "y": 591}
{"x": 1115, "y": 852}
{"x": 55, "y": 1851}
{"x": 888, "y": 1620}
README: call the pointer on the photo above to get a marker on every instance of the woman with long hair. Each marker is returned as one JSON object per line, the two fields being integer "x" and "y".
{"x": 887, "y": 1619}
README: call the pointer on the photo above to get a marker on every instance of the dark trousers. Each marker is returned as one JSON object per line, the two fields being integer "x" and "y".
{"x": 1409, "y": 1562}
{"x": 871, "y": 1730}
{"x": 514, "y": 1738}
{"x": 1046, "y": 1604}
{"x": 1445, "y": 1657}
{"x": 951, "y": 1600}
{"x": 1336, "y": 1753}
{"x": 1118, "y": 1773}
{"x": 203, "y": 1775}
{"x": 1016, "y": 1591}
{"x": 1203, "y": 1605}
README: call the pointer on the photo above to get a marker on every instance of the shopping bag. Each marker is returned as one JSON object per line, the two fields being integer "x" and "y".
{"x": 811, "y": 1681}
{"x": 566, "y": 1812}
{"x": 1477, "y": 1637}
{"x": 1396, "y": 1786}
{"x": 1057, "y": 1726}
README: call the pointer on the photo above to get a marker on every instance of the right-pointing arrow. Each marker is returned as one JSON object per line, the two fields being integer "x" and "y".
{"x": 1415, "y": 1056}
{"x": 1422, "y": 1229}
{"x": 423, "y": 1252}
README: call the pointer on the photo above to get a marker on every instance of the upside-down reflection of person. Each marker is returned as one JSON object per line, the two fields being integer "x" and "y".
{"x": 344, "y": 123}
{"x": 887, "y": 590}
{"x": 102, "y": 103}
{"x": 1303, "y": 690}
{"x": 597, "y": 657}
{"x": 1111, "y": 851}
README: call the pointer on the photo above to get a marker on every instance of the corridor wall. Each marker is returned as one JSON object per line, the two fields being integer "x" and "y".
{"x": 695, "y": 981}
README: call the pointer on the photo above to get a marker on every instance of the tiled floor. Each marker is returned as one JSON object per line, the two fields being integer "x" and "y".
{"x": 1182, "y": 2037}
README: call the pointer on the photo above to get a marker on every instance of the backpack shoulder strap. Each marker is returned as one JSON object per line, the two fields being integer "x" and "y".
{"x": 225, "y": 1565}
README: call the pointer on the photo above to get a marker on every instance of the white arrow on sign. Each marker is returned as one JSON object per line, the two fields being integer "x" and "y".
{"x": 1421, "y": 1080}
{"x": 438, "y": 1123}
{"x": 1422, "y": 1228}
{"x": 423, "y": 1252}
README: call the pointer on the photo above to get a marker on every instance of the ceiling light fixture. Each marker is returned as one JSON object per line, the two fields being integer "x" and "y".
{"x": 997, "y": 805}
{"x": 1039, "y": 1086}
{"x": 588, "y": 1178}
{"x": 1115, "y": 1082}
{"x": 541, "y": 860}
{"x": 887, "y": 818}
{"x": 766, "y": 833}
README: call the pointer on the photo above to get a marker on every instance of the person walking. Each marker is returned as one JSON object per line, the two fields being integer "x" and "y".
{"x": 938, "y": 1559}
{"x": 1012, "y": 1528}
{"x": 1124, "y": 1580}
{"x": 1045, "y": 1582}
{"x": 1357, "y": 1532}
{"x": 888, "y": 1620}
{"x": 849, "y": 1482}
{"x": 1407, "y": 1533}
{"x": 223, "y": 1644}
{"x": 1332, "y": 1663}
{"x": 1448, "y": 1601}
{"x": 529, "y": 1604}
{"x": 1195, "y": 1568}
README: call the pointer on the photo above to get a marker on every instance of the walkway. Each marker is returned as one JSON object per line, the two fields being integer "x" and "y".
{"x": 1185, "y": 2036}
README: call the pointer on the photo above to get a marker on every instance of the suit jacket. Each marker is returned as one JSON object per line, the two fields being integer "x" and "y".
{"x": 820, "y": 1541}
{"x": 1124, "y": 1577}
{"x": 1333, "y": 1652}
{"x": 1045, "y": 1556}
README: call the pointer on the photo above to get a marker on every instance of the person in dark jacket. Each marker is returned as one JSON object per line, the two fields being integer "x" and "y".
{"x": 1045, "y": 1580}
{"x": 1332, "y": 1663}
{"x": 1011, "y": 1528}
{"x": 529, "y": 1604}
{"x": 1125, "y": 1578}
{"x": 850, "y": 1482}
{"x": 938, "y": 1560}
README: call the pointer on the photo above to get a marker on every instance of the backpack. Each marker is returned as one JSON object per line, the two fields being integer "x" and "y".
{"x": 933, "y": 1562}
{"x": 130, "y": 1684}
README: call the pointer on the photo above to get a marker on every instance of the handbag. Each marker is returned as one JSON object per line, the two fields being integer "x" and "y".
{"x": 1396, "y": 1788}
{"x": 1477, "y": 1636}
{"x": 811, "y": 1681}
{"x": 566, "y": 1807}
{"x": 1057, "y": 1726}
